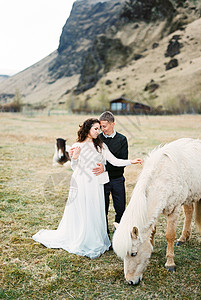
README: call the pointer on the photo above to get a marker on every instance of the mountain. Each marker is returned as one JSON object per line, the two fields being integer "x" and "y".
{"x": 146, "y": 50}
{"x": 3, "y": 77}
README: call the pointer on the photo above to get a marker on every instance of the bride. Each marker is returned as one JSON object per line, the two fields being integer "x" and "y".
{"x": 82, "y": 229}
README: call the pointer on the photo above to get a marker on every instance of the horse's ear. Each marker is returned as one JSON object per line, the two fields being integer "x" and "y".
{"x": 134, "y": 233}
{"x": 116, "y": 224}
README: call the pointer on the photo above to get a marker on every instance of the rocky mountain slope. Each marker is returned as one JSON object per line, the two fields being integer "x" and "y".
{"x": 148, "y": 51}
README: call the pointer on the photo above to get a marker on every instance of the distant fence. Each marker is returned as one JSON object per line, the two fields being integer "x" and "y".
{"x": 33, "y": 112}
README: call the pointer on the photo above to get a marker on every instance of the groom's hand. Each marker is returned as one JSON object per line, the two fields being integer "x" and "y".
{"x": 98, "y": 170}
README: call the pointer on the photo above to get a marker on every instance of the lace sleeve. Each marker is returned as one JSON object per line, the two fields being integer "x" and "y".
{"x": 74, "y": 162}
{"x": 113, "y": 160}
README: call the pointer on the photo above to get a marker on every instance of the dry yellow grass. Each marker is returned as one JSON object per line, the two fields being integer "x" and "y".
{"x": 33, "y": 195}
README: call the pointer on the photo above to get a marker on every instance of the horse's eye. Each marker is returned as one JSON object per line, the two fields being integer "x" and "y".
{"x": 133, "y": 253}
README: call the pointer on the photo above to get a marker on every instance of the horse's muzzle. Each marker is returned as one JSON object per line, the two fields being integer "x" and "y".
{"x": 134, "y": 282}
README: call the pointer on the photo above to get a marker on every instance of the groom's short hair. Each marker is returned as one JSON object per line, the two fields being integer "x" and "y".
{"x": 107, "y": 116}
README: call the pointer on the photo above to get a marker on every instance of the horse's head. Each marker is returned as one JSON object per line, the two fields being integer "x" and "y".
{"x": 136, "y": 256}
{"x": 137, "y": 259}
{"x": 61, "y": 155}
{"x": 61, "y": 147}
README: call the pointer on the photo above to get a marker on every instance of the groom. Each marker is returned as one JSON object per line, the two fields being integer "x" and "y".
{"x": 118, "y": 145}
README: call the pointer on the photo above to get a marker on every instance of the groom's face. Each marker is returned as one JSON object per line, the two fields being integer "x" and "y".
{"x": 107, "y": 127}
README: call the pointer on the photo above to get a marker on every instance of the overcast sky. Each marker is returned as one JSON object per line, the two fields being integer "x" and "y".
{"x": 29, "y": 31}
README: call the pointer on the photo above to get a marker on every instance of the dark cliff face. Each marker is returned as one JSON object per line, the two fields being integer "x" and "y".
{"x": 100, "y": 58}
{"x": 86, "y": 22}
{"x": 147, "y": 10}
{"x": 89, "y": 43}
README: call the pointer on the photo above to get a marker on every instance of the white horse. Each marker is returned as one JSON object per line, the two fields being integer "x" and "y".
{"x": 171, "y": 177}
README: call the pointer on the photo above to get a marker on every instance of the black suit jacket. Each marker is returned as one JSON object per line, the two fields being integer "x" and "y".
{"x": 118, "y": 146}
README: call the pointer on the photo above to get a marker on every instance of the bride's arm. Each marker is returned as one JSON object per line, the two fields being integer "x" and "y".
{"x": 113, "y": 160}
{"x": 117, "y": 161}
{"x": 75, "y": 152}
{"x": 73, "y": 163}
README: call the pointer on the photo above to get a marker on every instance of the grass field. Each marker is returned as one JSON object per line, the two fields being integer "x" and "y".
{"x": 33, "y": 196}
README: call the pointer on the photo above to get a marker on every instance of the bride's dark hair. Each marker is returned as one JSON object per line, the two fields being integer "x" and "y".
{"x": 84, "y": 131}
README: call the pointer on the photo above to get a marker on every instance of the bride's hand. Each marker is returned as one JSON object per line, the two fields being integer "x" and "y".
{"x": 136, "y": 161}
{"x": 71, "y": 150}
{"x": 76, "y": 152}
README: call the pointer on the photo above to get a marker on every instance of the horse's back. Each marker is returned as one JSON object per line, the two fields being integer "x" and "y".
{"x": 179, "y": 170}
{"x": 186, "y": 157}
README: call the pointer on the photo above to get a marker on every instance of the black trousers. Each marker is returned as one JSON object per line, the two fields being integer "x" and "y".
{"x": 116, "y": 188}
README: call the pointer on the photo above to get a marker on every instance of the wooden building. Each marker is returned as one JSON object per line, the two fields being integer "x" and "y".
{"x": 125, "y": 106}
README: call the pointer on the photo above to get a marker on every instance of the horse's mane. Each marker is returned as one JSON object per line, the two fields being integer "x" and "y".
{"x": 138, "y": 202}
{"x": 136, "y": 212}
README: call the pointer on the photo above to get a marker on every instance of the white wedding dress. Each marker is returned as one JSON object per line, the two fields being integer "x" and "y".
{"x": 83, "y": 229}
